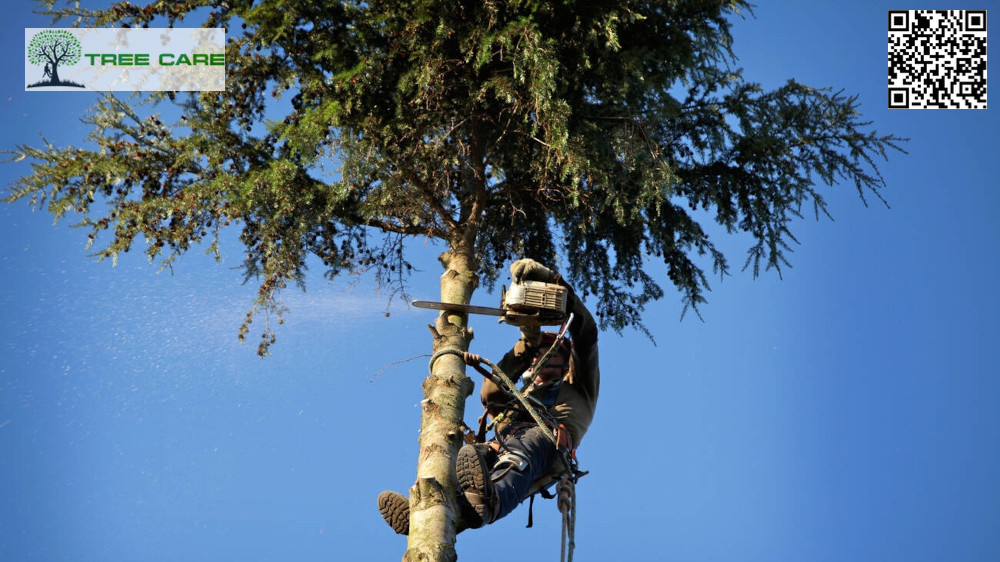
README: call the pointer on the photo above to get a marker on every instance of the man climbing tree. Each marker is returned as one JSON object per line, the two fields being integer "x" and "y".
{"x": 562, "y": 386}
{"x": 588, "y": 130}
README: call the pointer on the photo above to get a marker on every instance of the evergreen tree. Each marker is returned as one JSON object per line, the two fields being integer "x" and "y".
{"x": 584, "y": 130}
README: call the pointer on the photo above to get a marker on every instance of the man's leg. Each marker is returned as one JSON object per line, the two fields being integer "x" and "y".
{"x": 528, "y": 457}
{"x": 494, "y": 491}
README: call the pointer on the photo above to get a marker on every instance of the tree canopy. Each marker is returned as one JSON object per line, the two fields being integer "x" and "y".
{"x": 589, "y": 130}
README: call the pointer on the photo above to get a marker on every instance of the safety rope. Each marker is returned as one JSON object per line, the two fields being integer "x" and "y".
{"x": 566, "y": 489}
{"x": 566, "y": 492}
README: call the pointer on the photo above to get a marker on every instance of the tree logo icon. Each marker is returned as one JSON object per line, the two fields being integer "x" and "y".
{"x": 53, "y": 48}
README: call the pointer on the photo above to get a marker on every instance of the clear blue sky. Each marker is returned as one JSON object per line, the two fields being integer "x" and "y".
{"x": 845, "y": 413}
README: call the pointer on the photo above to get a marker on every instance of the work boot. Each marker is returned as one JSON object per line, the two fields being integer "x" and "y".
{"x": 395, "y": 509}
{"x": 478, "y": 488}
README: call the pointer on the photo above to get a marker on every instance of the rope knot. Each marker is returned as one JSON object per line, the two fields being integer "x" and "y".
{"x": 565, "y": 492}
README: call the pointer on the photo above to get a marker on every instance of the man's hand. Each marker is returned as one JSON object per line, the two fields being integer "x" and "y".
{"x": 530, "y": 270}
{"x": 471, "y": 359}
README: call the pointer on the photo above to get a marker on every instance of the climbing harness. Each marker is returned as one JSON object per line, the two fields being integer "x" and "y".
{"x": 566, "y": 486}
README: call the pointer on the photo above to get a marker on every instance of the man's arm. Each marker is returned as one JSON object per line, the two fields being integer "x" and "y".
{"x": 583, "y": 329}
{"x": 585, "y": 378}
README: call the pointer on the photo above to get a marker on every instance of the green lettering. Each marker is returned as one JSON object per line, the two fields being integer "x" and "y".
{"x": 125, "y": 59}
{"x": 107, "y": 59}
{"x": 164, "y": 61}
{"x": 92, "y": 57}
{"x": 201, "y": 58}
{"x": 218, "y": 59}
{"x": 183, "y": 59}
{"x": 142, "y": 60}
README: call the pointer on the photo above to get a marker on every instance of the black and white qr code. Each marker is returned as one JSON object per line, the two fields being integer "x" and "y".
{"x": 937, "y": 59}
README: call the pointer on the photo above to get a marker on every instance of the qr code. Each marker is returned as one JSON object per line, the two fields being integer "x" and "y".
{"x": 937, "y": 59}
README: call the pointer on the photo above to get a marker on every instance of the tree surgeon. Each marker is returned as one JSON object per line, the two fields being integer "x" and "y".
{"x": 496, "y": 476}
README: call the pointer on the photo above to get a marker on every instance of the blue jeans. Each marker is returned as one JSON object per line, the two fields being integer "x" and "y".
{"x": 512, "y": 486}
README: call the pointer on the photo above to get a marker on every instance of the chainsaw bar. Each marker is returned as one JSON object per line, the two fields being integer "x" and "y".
{"x": 464, "y": 308}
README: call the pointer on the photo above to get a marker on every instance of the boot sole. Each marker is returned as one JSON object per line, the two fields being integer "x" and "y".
{"x": 395, "y": 509}
{"x": 473, "y": 477}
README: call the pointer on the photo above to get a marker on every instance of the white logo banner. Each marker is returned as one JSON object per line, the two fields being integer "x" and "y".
{"x": 124, "y": 60}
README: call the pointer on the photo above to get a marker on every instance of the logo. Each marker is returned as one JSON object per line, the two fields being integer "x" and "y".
{"x": 131, "y": 60}
{"x": 54, "y": 48}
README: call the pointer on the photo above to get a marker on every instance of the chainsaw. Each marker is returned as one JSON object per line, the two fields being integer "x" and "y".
{"x": 526, "y": 303}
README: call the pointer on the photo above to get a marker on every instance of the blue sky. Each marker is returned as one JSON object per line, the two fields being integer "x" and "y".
{"x": 845, "y": 412}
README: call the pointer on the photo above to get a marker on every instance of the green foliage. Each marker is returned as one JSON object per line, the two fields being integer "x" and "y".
{"x": 591, "y": 130}
{"x": 54, "y": 46}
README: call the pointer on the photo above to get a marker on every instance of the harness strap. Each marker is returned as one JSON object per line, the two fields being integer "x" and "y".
{"x": 531, "y": 507}
{"x": 481, "y": 433}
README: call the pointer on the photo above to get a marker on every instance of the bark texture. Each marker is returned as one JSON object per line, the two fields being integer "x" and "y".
{"x": 433, "y": 509}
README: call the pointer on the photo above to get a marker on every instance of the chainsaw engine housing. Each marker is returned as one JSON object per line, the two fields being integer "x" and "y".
{"x": 535, "y": 303}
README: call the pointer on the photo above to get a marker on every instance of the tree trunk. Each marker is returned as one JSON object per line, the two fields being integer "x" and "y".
{"x": 54, "y": 77}
{"x": 433, "y": 506}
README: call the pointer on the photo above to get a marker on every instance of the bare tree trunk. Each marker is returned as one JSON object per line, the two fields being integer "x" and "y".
{"x": 433, "y": 508}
